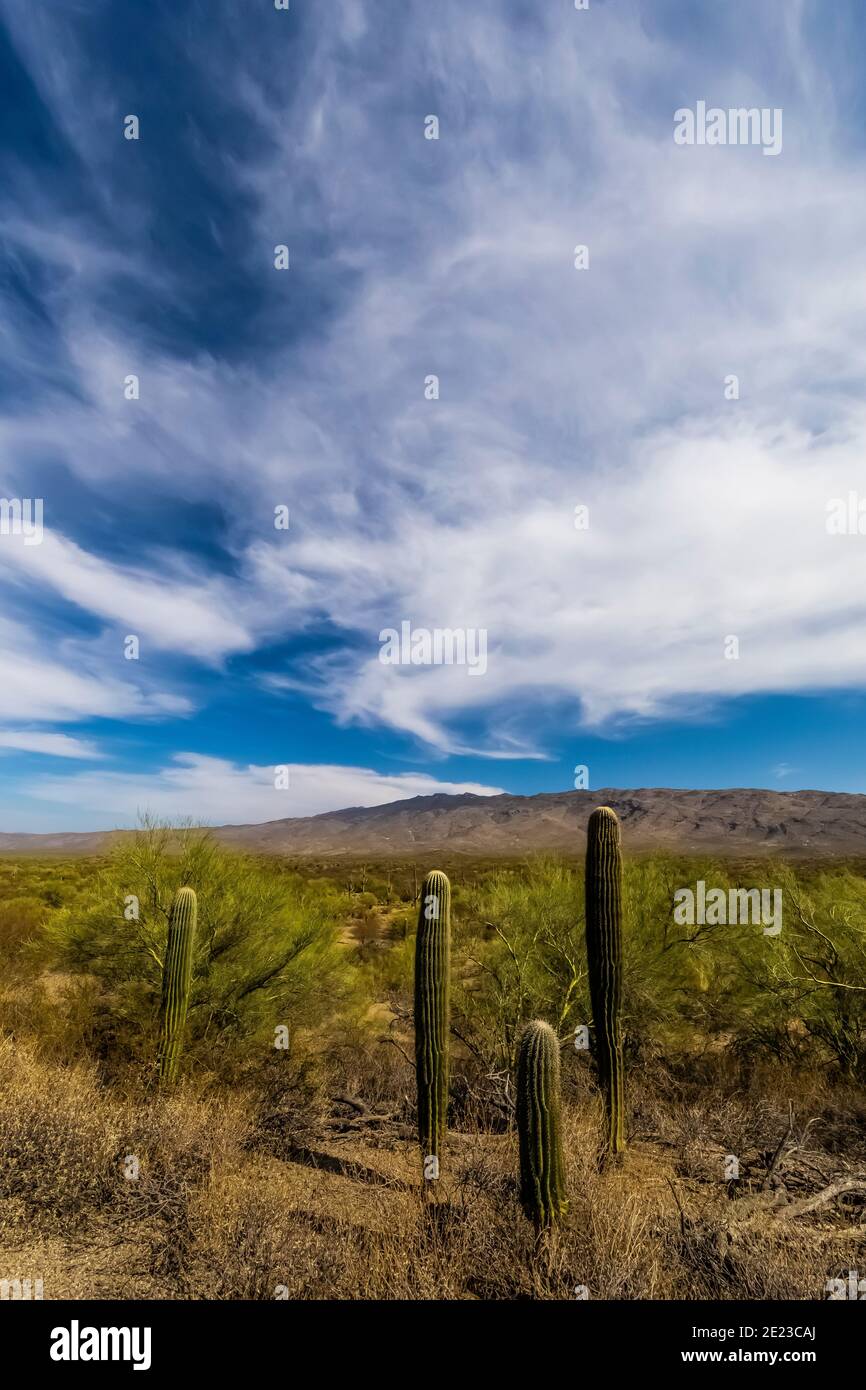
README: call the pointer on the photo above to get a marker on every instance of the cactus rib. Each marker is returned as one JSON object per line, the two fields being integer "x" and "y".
{"x": 176, "y": 976}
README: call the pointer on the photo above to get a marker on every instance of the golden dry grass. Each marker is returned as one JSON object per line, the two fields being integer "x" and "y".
{"x": 218, "y": 1211}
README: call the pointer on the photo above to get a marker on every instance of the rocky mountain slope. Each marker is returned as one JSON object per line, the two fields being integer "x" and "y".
{"x": 733, "y": 821}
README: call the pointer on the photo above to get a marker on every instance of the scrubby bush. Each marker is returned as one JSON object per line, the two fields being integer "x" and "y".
{"x": 519, "y": 952}
{"x": 267, "y": 953}
{"x": 804, "y": 992}
{"x": 20, "y": 920}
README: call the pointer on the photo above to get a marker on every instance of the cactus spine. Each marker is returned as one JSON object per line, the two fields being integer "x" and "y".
{"x": 432, "y": 970}
{"x": 542, "y": 1173}
{"x": 604, "y": 961}
{"x": 176, "y": 975}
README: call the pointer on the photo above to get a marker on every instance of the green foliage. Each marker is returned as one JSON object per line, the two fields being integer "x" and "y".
{"x": 519, "y": 952}
{"x": 542, "y": 1171}
{"x": 30, "y": 890}
{"x": 266, "y": 951}
{"x": 603, "y": 890}
{"x": 805, "y": 989}
{"x": 20, "y": 921}
{"x": 277, "y": 944}
{"x": 432, "y": 989}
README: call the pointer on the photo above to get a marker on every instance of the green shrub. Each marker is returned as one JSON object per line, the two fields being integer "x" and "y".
{"x": 519, "y": 953}
{"x": 20, "y": 921}
{"x": 266, "y": 953}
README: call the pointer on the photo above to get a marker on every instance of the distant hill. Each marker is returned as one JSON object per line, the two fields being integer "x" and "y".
{"x": 735, "y": 821}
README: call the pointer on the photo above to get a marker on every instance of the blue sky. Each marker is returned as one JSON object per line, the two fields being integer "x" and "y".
{"x": 559, "y": 387}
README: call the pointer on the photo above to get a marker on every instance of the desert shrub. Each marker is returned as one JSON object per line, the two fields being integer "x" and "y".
{"x": 266, "y": 947}
{"x": 519, "y": 953}
{"x": 62, "y": 1015}
{"x": 389, "y": 973}
{"x": 68, "y": 1143}
{"x": 20, "y": 920}
{"x": 58, "y": 1140}
{"x": 804, "y": 991}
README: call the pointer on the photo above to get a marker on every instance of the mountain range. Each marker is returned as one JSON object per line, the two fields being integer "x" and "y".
{"x": 735, "y": 821}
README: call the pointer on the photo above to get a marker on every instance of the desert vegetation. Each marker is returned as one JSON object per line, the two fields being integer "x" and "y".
{"x": 224, "y": 1076}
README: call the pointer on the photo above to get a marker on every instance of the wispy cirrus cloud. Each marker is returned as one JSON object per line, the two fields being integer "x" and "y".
{"x": 173, "y": 613}
{"x": 61, "y": 680}
{"x": 52, "y": 745}
{"x": 454, "y": 257}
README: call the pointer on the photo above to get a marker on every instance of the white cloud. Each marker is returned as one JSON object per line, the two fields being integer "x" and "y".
{"x": 604, "y": 387}
{"x": 61, "y": 680}
{"x": 171, "y": 614}
{"x": 55, "y": 745}
{"x": 214, "y": 790}
{"x": 717, "y": 529}
{"x": 558, "y": 387}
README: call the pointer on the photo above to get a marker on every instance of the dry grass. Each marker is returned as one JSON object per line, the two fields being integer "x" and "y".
{"x": 219, "y": 1211}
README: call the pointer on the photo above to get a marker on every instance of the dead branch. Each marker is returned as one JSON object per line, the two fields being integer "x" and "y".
{"x": 353, "y": 1103}
{"x": 780, "y": 1149}
{"x": 820, "y": 1199}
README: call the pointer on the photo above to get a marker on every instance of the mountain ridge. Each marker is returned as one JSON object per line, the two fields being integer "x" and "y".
{"x": 735, "y": 820}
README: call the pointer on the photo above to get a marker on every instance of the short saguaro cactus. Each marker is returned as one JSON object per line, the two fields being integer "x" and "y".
{"x": 542, "y": 1171}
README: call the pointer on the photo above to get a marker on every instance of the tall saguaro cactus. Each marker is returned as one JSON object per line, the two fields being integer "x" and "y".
{"x": 432, "y": 970}
{"x": 176, "y": 976}
{"x": 542, "y": 1173}
{"x": 604, "y": 959}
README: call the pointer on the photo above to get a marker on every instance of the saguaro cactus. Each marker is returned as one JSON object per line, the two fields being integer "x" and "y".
{"x": 542, "y": 1173}
{"x": 604, "y": 960}
{"x": 432, "y": 970}
{"x": 176, "y": 975}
